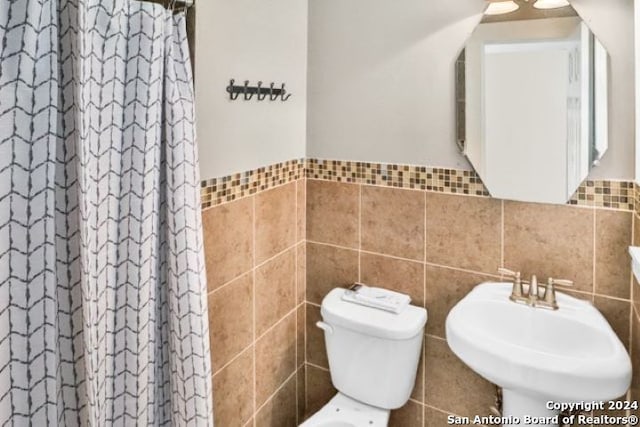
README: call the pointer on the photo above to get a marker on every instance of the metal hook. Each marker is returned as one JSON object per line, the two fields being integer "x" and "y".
{"x": 261, "y": 97}
{"x": 246, "y": 88}
{"x": 230, "y": 90}
{"x": 272, "y": 97}
{"x": 283, "y": 92}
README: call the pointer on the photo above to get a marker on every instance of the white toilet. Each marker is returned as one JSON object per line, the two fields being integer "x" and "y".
{"x": 373, "y": 359}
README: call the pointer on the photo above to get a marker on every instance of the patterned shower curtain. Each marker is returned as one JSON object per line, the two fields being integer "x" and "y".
{"x": 102, "y": 289}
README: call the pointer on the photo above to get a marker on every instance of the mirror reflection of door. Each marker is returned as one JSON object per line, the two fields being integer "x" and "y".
{"x": 535, "y": 97}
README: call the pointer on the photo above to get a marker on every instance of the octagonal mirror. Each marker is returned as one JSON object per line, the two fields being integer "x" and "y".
{"x": 531, "y": 100}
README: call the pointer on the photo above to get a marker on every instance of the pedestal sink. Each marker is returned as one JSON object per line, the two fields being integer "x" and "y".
{"x": 536, "y": 355}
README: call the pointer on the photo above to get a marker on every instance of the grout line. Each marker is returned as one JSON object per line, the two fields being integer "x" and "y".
{"x": 306, "y": 391}
{"x": 296, "y": 284}
{"x": 282, "y": 319}
{"x": 280, "y": 387}
{"x": 424, "y": 252}
{"x": 233, "y": 359}
{"x": 255, "y": 317}
{"x": 230, "y": 282}
{"x": 594, "y": 256}
{"x": 360, "y": 233}
{"x": 464, "y": 270}
{"x": 318, "y": 366}
{"x": 436, "y": 337}
{"x": 224, "y": 285}
{"x": 440, "y": 410}
{"x": 424, "y": 300}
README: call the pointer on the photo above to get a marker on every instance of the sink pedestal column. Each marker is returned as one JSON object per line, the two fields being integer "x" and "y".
{"x": 517, "y": 406}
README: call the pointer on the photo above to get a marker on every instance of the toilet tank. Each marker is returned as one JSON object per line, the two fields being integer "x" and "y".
{"x": 373, "y": 354}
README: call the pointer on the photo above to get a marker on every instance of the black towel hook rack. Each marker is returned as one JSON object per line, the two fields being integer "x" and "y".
{"x": 259, "y": 90}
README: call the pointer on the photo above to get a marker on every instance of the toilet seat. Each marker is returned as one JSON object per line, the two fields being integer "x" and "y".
{"x": 342, "y": 411}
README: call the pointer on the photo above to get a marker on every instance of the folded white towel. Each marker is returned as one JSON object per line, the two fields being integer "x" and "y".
{"x": 379, "y": 298}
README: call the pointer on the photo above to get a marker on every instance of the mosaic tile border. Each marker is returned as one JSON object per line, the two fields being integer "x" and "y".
{"x": 605, "y": 194}
{"x": 620, "y": 195}
{"x": 232, "y": 187}
{"x": 402, "y": 176}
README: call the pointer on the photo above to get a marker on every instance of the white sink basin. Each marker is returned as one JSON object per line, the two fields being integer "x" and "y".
{"x": 567, "y": 355}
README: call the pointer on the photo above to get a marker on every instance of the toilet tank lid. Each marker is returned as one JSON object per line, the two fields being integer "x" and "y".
{"x": 372, "y": 321}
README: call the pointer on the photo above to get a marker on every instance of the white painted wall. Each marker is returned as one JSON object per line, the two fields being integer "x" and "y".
{"x": 250, "y": 40}
{"x": 381, "y": 79}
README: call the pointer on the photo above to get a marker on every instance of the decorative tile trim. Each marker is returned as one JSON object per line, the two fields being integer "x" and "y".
{"x": 605, "y": 194}
{"x": 442, "y": 180}
{"x": 232, "y": 187}
{"x": 621, "y": 195}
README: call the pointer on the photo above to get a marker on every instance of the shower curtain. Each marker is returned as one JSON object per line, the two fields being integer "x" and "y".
{"x": 103, "y": 317}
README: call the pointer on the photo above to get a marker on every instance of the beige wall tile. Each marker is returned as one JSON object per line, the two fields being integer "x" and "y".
{"x": 329, "y": 267}
{"x": 434, "y": 418}
{"x": 301, "y": 325}
{"x": 275, "y": 290}
{"x": 635, "y": 360}
{"x": 231, "y": 320}
{"x": 617, "y": 314}
{"x": 464, "y": 232}
{"x": 280, "y": 410}
{"x": 302, "y": 393}
{"x": 319, "y": 389}
{"x": 418, "y": 388}
{"x": 275, "y": 221}
{"x": 275, "y": 358}
{"x": 301, "y": 272}
{"x": 635, "y": 286}
{"x": 316, "y": 351}
{"x": 332, "y": 213}
{"x": 396, "y": 274}
{"x": 451, "y": 386}
{"x": 410, "y": 415}
{"x": 393, "y": 222}
{"x": 550, "y": 240}
{"x": 228, "y": 241}
{"x": 444, "y": 288}
{"x": 233, "y": 392}
{"x": 613, "y": 238}
{"x": 301, "y": 203}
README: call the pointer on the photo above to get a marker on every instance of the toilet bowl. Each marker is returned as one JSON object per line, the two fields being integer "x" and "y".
{"x": 373, "y": 360}
{"x": 342, "y": 411}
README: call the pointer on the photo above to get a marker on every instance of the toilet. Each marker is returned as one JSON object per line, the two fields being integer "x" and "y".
{"x": 373, "y": 359}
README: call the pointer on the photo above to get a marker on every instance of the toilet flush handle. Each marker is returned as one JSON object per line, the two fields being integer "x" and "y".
{"x": 325, "y": 327}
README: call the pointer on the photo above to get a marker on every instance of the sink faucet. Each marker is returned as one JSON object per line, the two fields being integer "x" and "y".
{"x": 532, "y": 298}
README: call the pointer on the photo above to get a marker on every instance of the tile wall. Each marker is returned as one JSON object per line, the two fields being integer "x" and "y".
{"x": 255, "y": 253}
{"x": 635, "y": 318}
{"x": 273, "y": 253}
{"x": 436, "y": 243}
